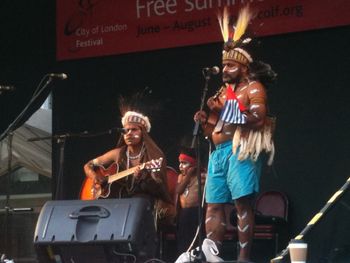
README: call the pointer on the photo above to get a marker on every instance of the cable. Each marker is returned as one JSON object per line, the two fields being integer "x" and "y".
{"x": 155, "y": 260}
{"x": 125, "y": 255}
{"x": 202, "y": 204}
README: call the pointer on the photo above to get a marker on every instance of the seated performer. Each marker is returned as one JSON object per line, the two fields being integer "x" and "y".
{"x": 134, "y": 148}
{"x": 189, "y": 201}
{"x": 242, "y": 132}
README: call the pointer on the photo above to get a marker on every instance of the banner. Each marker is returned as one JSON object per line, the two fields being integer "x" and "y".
{"x": 90, "y": 28}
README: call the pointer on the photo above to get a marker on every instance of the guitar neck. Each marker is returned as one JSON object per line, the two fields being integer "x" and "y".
{"x": 114, "y": 177}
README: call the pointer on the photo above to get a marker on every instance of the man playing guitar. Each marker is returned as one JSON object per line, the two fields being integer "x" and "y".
{"x": 134, "y": 148}
{"x": 242, "y": 132}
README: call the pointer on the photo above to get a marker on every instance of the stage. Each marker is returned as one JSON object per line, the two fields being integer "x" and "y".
{"x": 20, "y": 243}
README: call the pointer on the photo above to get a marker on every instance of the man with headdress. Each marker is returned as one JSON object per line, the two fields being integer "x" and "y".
{"x": 242, "y": 132}
{"x": 135, "y": 147}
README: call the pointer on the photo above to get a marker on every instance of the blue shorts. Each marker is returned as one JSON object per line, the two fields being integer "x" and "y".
{"x": 228, "y": 178}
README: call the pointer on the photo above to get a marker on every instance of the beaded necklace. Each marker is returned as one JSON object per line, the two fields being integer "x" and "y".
{"x": 129, "y": 157}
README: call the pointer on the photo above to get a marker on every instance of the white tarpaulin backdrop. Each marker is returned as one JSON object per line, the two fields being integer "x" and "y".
{"x": 34, "y": 155}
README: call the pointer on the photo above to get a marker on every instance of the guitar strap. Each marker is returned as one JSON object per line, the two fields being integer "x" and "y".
{"x": 219, "y": 124}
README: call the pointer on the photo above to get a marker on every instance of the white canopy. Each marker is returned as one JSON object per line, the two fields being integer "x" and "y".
{"x": 33, "y": 155}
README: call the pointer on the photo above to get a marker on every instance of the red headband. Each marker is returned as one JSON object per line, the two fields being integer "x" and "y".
{"x": 187, "y": 158}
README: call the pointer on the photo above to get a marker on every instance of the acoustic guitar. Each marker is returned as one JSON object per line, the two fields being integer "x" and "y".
{"x": 209, "y": 125}
{"x": 213, "y": 116}
{"x": 90, "y": 192}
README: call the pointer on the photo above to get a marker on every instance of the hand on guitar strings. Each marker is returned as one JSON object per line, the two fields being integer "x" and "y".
{"x": 200, "y": 116}
{"x": 137, "y": 173}
{"x": 99, "y": 180}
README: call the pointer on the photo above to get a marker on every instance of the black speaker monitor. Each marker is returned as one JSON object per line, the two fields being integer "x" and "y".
{"x": 109, "y": 230}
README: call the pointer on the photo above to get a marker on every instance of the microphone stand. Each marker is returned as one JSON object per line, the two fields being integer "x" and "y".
{"x": 36, "y": 94}
{"x": 204, "y": 95}
{"x": 61, "y": 141}
{"x": 9, "y": 132}
{"x": 196, "y": 144}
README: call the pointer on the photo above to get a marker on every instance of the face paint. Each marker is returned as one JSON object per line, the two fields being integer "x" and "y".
{"x": 230, "y": 73}
{"x": 183, "y": 166}
{"x": 133, "y": 134}
{"x": 232, "y": 70}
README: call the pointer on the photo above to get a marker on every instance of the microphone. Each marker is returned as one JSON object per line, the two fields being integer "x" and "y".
{"x": 6, "y": 88}
{"x": 212, "y": 71}
{"x": 58, "y": 75}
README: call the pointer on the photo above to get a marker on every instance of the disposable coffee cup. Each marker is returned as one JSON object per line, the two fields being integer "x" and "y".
{"x": 297, "y": 251}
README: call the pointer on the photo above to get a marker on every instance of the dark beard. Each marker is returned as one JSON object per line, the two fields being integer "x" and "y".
{"x": 229, "y": 80}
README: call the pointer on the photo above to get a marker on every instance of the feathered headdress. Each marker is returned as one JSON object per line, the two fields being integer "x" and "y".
{"x": 136, "y": 117}
{"x": 131, "y": 111}
{"x": 234, "y": 40}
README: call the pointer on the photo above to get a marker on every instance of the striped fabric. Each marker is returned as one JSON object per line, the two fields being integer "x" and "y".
{"x": 232, "y": 111}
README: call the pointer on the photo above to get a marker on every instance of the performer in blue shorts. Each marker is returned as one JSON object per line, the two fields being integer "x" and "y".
{"x": 241, "y": 133}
